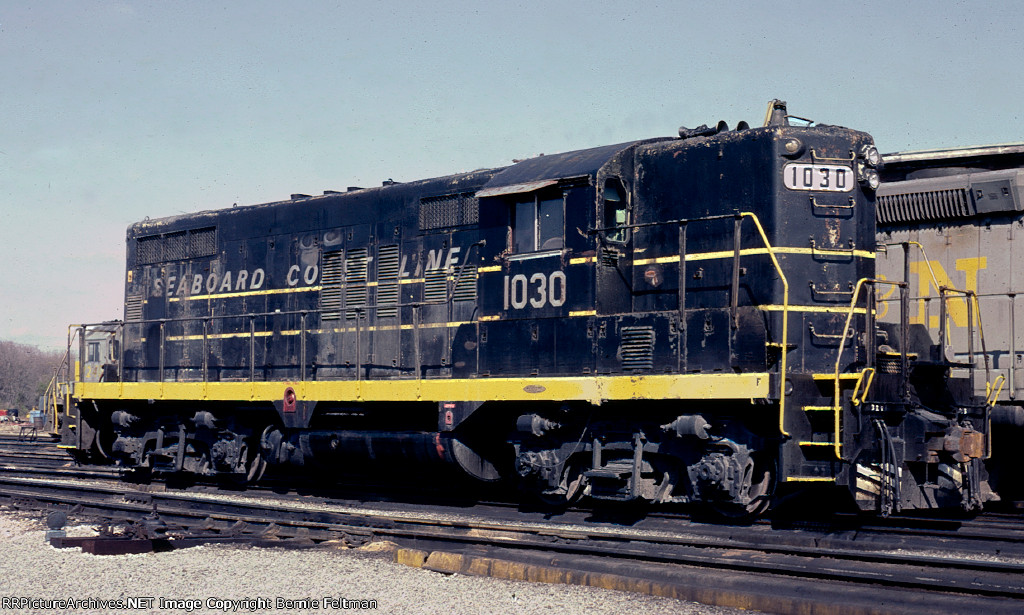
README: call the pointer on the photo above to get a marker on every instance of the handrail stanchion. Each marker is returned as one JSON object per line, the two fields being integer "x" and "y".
{"x": 252, "y": 348}
{"x": 206, "y": 349}
{"x": 120, "y": 355}
{"x": 162, "y": 338}
{"x": 359, "y": 345}
{"x": 870, "y": 339}
{"x": 682, "y": 293}
{"x": 837, "y": 408}
{"x": 734, "y": 298}
{"x": 416, "y": 340}
{"x": 302, "y": 347}
{"x": 80, "y": 376}
{"x": 785, "y": 321}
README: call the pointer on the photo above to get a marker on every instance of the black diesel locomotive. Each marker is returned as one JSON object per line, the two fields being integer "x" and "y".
{"x": 671, "y": 320}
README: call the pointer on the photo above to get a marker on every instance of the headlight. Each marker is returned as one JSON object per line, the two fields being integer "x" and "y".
{"x": 871, "y": 179}
{"x": 792, "y": 148}
{"x": 870, "y": 155}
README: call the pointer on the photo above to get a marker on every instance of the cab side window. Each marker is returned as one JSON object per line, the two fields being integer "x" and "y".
{"x": 538, "y": 223}
{"x": 616, "y": 210}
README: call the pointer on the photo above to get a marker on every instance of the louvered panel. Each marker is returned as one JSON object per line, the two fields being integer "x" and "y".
{"x": 922, "y": 206}
{"x": 637, "y": 348}
{"x": 465, "y": 287}
{"x": 609, "y": 257}
{"x": 133, "y": 308}
{"x": 387, "y": 281}
{"x": 435, "y": 285}
{"x": 330, "y": 288}
{"x": 355, "y": 281}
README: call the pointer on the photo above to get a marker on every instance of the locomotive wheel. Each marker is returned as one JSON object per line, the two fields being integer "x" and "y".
{"x": 255, "y": 464}
{"x": 257, "y": 467}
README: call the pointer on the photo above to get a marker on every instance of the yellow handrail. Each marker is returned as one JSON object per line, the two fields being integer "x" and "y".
{"x": 969, "y": 296}
{"x": 870, "y": 373}
{"x": 785, "y": 320}
{"x": 993, "y": 389}
{"x": 52, "y": 392}
{"x": 837, "y": 406}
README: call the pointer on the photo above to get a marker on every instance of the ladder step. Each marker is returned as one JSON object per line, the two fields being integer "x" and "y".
{"x": 810, "y": 479}
{"x": 809, "y": 443}
{"x": 611, "y": 470}
{"x": 819, "y": 409}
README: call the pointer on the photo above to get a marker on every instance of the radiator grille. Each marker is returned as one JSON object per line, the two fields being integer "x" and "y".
{"x": 176, "y": 246}
{"x": 448, "y": 210}
{"x": 922, "y": 206}
{"x": 202, "y": 242}
{"x": 637, "y": 349}
{"x": 148, "y": 250}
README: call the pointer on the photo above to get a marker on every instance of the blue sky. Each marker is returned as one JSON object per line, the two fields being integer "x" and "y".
{"x": 117, "y": 110}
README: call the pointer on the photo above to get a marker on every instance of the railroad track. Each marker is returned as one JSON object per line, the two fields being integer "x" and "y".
{"x": 39, "y": 440}
{"x": 988, "y": 535}
{"x": 756, "y": 567}
{"x": 40, "y": 456}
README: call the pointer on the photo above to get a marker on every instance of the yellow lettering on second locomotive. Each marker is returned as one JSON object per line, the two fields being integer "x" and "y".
{"x": 956, "y": 304}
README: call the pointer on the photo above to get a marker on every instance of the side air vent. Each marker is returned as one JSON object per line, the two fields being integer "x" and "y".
{"x": 387, "y": 281}
{"x": 637, "y": 348}
{"x": 435, "y": 285}
{"x": 133, "y": 308}
{"x": 355, "y": 281}
{"x": 609, "y": 257}
{"x": 465, "y": 287}
{"x": 330, "y": 288}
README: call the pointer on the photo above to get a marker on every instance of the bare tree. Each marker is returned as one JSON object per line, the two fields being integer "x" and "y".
{"x": 24, "y": 373}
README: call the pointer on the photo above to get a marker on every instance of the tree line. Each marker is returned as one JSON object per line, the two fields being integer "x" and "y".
{"x": 24, "y": 373}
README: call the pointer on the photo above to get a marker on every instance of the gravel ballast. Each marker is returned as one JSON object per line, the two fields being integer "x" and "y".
{"x": 234, "y": 579}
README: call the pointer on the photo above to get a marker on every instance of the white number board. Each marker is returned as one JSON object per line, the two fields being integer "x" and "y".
{"x": 818, "y": 177}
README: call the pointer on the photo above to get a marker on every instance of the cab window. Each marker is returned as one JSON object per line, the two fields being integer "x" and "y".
{"x": 537, "y": 223}
{"x": 616, "y": 210}
{"x": 93, "y": 352}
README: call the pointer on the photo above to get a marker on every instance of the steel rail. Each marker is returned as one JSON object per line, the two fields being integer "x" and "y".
{"x": 948, "y": 576}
